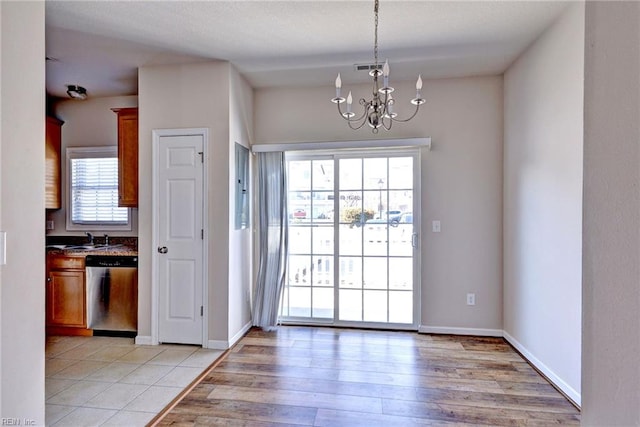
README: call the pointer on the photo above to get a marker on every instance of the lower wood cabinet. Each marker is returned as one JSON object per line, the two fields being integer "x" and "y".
{"x": 66, "y": 298}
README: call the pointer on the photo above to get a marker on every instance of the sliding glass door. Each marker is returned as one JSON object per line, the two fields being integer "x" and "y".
{"x": 353, "y": 245}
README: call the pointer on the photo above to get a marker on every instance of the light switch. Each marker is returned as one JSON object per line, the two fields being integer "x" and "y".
{"x": 3, "y": 247}
{"x": 435, "y": 226}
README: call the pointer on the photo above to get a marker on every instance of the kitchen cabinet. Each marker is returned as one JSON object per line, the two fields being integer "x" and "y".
{"x": 53, "y": 139}
{"x": 65, "y": 295}
{"x": 127, "y": 156}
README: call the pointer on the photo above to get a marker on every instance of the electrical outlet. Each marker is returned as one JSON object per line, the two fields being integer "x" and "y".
{"x": 435, "y": 226}
{"x": 471, "y": 299}
{"x": 50, "y": 224}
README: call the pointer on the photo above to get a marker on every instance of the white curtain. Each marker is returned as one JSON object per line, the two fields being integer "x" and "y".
{"x": 272, "y": 213}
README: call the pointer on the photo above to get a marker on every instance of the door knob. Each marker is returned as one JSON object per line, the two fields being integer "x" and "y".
{"x": 163, "y": 249}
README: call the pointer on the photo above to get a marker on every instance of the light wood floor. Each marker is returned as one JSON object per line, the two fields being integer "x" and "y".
{"x": 345, "y": 377}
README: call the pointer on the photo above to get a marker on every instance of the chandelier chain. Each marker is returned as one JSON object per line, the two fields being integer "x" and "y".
{"x": 375, "y": 38}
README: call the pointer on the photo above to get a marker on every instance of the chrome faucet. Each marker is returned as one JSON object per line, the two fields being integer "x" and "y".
{"x": 90, "y": 238}
{"x": 106, "y": 240}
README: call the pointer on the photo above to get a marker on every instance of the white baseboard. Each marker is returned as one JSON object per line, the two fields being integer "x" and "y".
{"x": 218, "y": 344}
{"x": 234, "y": 339}
{"x": 551, "y": 376}
{"x": 143, "y": 340}
{"x": 460, "y": 331}
{"x": 225, "y": 345}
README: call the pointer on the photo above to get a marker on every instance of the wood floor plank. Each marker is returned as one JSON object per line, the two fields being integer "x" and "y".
{"x": 298, "y": 398}
{"x": 267, "y": 383}
{"x": 349, "y": 377}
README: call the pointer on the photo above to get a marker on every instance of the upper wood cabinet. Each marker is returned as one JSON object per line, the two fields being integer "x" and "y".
{"x": 53, "y": 139}
{"x": 127, "y": 156}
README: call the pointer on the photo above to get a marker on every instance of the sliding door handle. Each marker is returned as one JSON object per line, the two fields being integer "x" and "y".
{"x": 414, "y": 240}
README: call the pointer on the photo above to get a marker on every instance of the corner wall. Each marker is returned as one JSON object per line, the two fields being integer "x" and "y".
{"x": 543, "y": 142}
{"x": 240, "y": 241}
{"x": 611, "y": 229}
{"x": 22, "y": 279}
{"x": 461, "y": 184}
{"x": 187, "y": 96}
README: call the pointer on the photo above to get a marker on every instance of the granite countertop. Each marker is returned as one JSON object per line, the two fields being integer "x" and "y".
{"x": 80, "y": 247}
{"x": 84, "y": 250}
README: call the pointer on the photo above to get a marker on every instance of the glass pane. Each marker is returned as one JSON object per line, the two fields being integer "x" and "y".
{"x": 400, "y": 173}
{"x": 375, "y": 239}
{"x": 299, "y": 270}
{"x": 299, "y": 206}
{"x": 350, "y": 240}
{"x": 323, "y": 175}
{"x": 323, "y": 271}
{"x": 299, "y": 177}
{"x": 350, "y": 274}
{"x": 400, "y": 240}
{"x": 400, "y": 202}
{"x": 400, "y": 307}
{"x": 299, "y": 240}
{"x": 350, "y": 174}
{"x": 323, "y": 240}
{"x": 321, "y": 206}
{"x": 299, "y": 302}
{"x": 375, "y": 174}
{"x": 323, "y": 303}
{"x": 401, "y": 273}
{"x": 350, "y": 305}
{"x": 375, "y": 306}
{"x": 375, "y": 273}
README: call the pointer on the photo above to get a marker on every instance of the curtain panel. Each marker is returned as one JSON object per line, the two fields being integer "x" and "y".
{"x": 273, "y": 238}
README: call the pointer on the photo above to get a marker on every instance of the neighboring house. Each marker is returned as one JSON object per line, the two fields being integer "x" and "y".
{"x": 508, "y": 178}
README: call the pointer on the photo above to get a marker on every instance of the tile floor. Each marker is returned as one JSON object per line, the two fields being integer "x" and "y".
{"x": 108, "y": 381}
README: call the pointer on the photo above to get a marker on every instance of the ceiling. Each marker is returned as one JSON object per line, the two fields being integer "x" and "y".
{"x": 101, "y": 44}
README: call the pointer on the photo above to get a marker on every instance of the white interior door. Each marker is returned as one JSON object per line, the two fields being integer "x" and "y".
{"x": 179, "y": 238}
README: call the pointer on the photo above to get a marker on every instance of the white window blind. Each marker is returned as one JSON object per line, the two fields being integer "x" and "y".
{"x": 93, "y": 189}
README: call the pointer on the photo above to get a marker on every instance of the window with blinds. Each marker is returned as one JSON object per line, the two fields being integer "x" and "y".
{"x": 93, "y": 190}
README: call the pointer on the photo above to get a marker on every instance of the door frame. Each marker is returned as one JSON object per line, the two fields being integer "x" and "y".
{"x": 156, "y": 134}
{"x": 416, "y": 154}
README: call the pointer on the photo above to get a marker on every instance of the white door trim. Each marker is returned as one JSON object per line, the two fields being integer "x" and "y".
{"x": 156, "y": 134}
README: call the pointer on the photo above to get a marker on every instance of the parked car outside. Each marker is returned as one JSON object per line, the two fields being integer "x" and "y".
{"x": 299, "y": 214}
{"x": 406, "y": 218}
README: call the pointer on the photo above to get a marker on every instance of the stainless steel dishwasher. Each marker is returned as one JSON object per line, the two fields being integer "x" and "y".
{"x": 112, "y": 293}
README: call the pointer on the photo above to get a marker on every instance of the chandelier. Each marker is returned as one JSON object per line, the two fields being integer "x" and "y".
{"x": 377, "y": 112}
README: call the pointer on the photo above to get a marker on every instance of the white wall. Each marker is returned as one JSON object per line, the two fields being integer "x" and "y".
{"x": 22, "y": 284}
{"x": 611, "y": 232}
{"x": 240, "y": 241}
{"x": 461, "y": 183}
{"x": 187, "y": 96}
{"x": 543, "y": 109}
{"x": 88, "y": 123}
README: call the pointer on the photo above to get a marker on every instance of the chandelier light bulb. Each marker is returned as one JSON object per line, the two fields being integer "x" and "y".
{"x": 338, "y": 82}
{"x": 385, "y": 73}
{"x": 349, "y": 102}
{"x": 419, "y": 83}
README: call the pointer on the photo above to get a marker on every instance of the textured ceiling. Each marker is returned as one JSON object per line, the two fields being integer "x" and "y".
{"x": 100, "y": 44}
